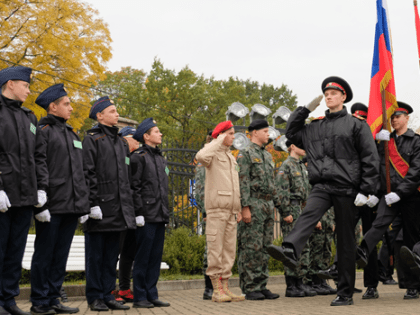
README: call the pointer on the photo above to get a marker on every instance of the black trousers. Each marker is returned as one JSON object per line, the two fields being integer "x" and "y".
{"x": 14, "y": 227}
{"x": 408, "y": 208}
{"x": 384, "y": 265}
{"x": 318, "y": 203}
{"x": 370, "y": 272}
{"x": 52, "y": 247}
{"x": 127, "y": 254}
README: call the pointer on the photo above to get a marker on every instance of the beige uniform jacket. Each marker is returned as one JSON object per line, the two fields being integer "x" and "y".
{"x": 221, "y": 192}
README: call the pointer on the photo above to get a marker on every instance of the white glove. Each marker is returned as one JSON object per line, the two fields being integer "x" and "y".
{"x": 42, "y": 199}
{"x": 95, "y": 213}
{"x": 360, "y": 200}
{"x": 372, "y": 201}
{"x": 391, "y": 198}
{"x": 83, "y": 218}
{"x": 314, "y": 103}
{"x": 4, "y": 201}
{"x": 43, "y": 216}
{"x": 383, "y": 135}
{"x": 140, "y": 220}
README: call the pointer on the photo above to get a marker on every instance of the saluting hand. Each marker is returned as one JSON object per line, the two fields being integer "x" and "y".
{"x": 288, "y": 219}
{"x": 246, "y": 214}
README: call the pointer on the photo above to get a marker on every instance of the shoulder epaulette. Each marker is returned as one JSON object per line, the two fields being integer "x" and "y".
{"x": 318, "y": 118}
{"x": 357, "y": 116}
{"x": 141, "y": 152}
{"x": 43, "y": 126}
{"x": 27, "y": 110}
{"x": 102, "y": 136}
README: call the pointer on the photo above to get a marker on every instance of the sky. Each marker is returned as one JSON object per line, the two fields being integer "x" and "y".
{"x": 293, "y": 42}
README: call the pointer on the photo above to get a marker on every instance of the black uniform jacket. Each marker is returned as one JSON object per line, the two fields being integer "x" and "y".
{"x": 18, "y": 128}
{"x": 408, "y": 146}
{"x": 59, "y": 168}
{"x": 149, "y": 182}
{"x": 106, "y": 163}
{"x": 341, "y": 152}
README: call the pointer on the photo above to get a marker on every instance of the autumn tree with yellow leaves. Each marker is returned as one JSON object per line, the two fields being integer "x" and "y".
{"x": 63, "y": 40}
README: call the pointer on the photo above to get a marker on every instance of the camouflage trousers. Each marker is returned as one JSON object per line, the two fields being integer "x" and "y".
{"x": 304, "y": 260}
{"x": 320, "y": 252}
{"x": 253, "y": 240}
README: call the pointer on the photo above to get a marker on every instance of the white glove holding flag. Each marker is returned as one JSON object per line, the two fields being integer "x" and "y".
{"x": 372, "y": 201}
{"x": 42, "y": 198}
{"x": 314, "y": 103}
{"x": 360, "y": 200}
{"x": 140, "y": 220}
{"x": 383, "y": 135}
{"x": 43, "y": 216}
{"x": 392, "y": 198}
{"x": 83, "y": 218}
{"x": 4, "y": 201}
{"x": 95, "y": 213}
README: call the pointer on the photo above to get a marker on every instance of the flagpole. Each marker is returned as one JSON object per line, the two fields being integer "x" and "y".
{"x": 417, "y": 21}
{"x": 385, "y": 126}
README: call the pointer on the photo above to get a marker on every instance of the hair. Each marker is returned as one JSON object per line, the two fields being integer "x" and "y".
{"x": 148, "y": 132}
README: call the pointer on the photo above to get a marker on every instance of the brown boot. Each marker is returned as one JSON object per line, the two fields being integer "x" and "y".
{"x": 234, "y": 297}
{"x": 218, "y": 294}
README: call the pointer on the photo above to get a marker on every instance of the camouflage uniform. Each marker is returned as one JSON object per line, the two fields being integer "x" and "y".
{"x": 320, "y": 245}
{"x": 293, "y": 186}
{"x": 258, "y": 191}
{"x": 200, "y": 178}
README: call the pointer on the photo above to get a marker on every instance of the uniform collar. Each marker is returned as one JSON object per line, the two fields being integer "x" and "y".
{"x": 11, "y": 103}
{"x": 256, "y": 146}
{"x": 409, "y": 133}
{"x": 110, "y": 131}
{"x": 152, "y": 150}
{"x": 340, "y": 113}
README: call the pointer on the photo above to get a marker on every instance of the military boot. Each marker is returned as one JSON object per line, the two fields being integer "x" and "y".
{"x": 208, "y": 291}
{"x": 304, "y": 287}
{"x": 317, "y": 286}
{"x": 326, "y": 286}
{"x": 291, "y": 289}
{"x": 218, "y": 294}
{"x": 234, "y": 297}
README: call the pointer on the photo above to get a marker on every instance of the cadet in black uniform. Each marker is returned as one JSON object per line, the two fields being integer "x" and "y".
{"x": 404, "y": 149}
{"x": 106, "y": 164}
{"x": 18, "y": 193}
{"x": 59, "y": 166}
{"x": 150, "y": 192}
{"x": 343, "y": 167}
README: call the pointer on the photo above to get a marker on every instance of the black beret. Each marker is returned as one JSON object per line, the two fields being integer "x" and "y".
{"x": 339, "y": 84}
{"x": 20, "y": 73}
{"x": 50, "y": 95}
{"x": 258, "y": 124}
{"x": 143, "y": 127}
{"x": 359, "y": 109}
{"x": 403, "y": 108}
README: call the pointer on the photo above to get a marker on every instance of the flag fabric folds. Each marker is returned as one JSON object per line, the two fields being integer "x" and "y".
{"x": 382, "y": 77}
{"x": 417, "y": 20}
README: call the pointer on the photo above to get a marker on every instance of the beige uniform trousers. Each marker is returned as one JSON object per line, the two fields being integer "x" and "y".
{"x": 221, "y": 243}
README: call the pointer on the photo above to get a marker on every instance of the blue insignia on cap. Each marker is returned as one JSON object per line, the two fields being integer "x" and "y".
{"x": 99, "y": 106}
{"x": 20, "y": 73}
{"x": 143, "y": 127}
{"x": 50, "y": 95}
{"x": 126, "y": 131}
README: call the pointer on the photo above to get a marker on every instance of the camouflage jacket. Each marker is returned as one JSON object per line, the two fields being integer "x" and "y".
{"x": 293, "y": 184}
{"x": 256, "y": 174}
{"x": 200, "y": 179}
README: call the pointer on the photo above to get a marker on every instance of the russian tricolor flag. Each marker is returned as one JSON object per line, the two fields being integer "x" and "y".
{"x": 382, "y": 72}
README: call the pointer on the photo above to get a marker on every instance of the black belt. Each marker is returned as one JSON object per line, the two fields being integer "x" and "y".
{"x": 266, "y": 197}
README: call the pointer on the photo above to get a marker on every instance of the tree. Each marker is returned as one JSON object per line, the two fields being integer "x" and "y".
{"x": 63, "y": 40}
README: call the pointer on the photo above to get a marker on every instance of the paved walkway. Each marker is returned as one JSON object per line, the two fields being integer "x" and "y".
{"x": 190, "y": 302}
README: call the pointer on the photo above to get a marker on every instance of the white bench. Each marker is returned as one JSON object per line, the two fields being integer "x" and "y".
{"x": 76, "y": 260}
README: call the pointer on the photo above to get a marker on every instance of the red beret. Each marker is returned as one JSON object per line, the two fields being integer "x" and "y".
{"x": 221, "y": 127}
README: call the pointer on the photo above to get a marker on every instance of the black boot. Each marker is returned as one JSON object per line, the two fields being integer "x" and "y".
{"x": 326, "y": 286}
{"x": 305, "y": 288}
{"x": 291, "y": 289}
{"x": 208, "y": 291}
{"x": 317, "y": 286}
